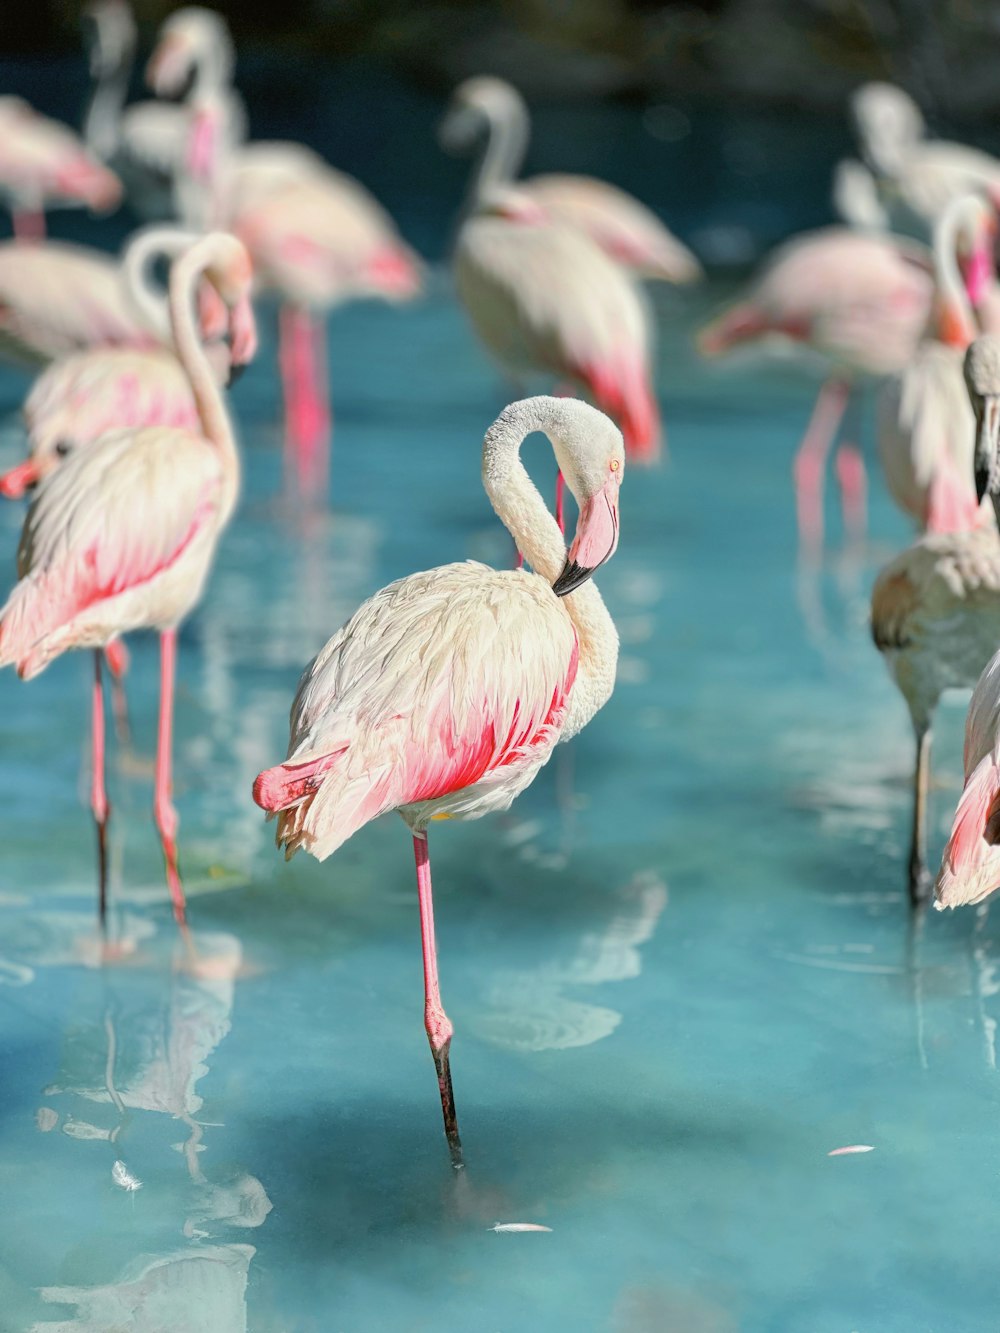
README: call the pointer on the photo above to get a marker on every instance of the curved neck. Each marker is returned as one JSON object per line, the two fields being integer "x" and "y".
{"x": 957, "y": 320}
{"x": 504, "y": 147}
{"x": 215, "y": 424}
{"x": 148, "y": 300}
{"x": 523, "y": 512}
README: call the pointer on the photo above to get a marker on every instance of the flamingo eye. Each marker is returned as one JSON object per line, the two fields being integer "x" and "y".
{"x": 63, "y": 447}
{"x": 615, "y": 465}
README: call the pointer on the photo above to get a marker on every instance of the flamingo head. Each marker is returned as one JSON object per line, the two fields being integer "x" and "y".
{"x": 228, "y": 269}
{"x": 982, "y": 378}
{"x": 476, "y": 105}
{"x": 109, "y": 30}
{"x": 194, "y": 47}
{"x": 888, "y": 124}
{"x": 590, "y": 452}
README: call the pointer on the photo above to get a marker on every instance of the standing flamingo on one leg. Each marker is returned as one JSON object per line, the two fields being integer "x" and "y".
{"x": 861, "y": 300}
{"x": 123, "y": 535}
{"x": 446, "y": 692}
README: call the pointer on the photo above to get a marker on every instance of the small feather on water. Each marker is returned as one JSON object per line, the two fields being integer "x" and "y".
{"x": 123, "y": 1177}
{"x": 852, "y": 1147}
{"x": 518, "y": 1226}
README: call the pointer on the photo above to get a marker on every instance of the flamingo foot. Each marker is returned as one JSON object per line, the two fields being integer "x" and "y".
{"x": 853, "y": 481}
{"x": 442, "y": 1066}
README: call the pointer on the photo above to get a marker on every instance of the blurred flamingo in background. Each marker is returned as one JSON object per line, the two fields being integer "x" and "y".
{"x": 917, "y": 175}
{"x": 925, "y": 426}
{"x": 147, "y": 142}
{"x": 44, "y": 165}
{"x": 123, "y": 534}
{"x": 447, "y": 691}
{"x": 491, "y": 112}
{"x": 861, "y": 300}
{"x": 545, "y": 300}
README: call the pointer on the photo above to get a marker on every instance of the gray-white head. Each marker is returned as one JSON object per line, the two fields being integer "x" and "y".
{"x": 476, "y": 105}
{"x": 888, "y": 123}
{"x": 110, "y": 35}
{"x": 982, "y": 378}
{"x": 194, "y": 49}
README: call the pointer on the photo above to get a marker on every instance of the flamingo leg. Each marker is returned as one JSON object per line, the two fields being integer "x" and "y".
{"x": 28, "y": 224}
{"x": 810, "y": 460}
{"x": 307, "y": 410}
{"x": 851, "y": 474}
{"x": 163, "y": 807}
{"x": 918, "y": 877}
{"x": 116, "y": 656}
{"x": 98, "y": 791}
{"x": 436, "y": 1021}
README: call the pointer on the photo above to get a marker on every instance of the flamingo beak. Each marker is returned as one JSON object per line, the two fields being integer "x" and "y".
{"x": 242, "y": 336}
{"x": 987, "y": 455}
{"x": 596, "y": 538}
{"x": 14, "y": 483}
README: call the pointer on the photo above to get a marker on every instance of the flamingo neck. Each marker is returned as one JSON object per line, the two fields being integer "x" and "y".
{"x": 103, "y": 119}
{"x": 215, "y": 423}
{"x": 504, "y": 148}
{"x": 149, "y": 301}
{"x": 536, "y": 534}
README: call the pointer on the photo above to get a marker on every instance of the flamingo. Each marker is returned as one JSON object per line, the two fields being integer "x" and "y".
{"x": 970, "y": 867}
{"x": 447, "y": 691}
{"x": 863, "y": 301}
{"x": 544, "y": 299}
{"x": 79, "y": 398}
{"x": 44, "y": 165}
{"x": 490, "y": 110}
{"x": 147, "y": 141}
{"x": 923, "y": 175}
{"x": 925, "y": 426}
{"x": 123, "y": 535}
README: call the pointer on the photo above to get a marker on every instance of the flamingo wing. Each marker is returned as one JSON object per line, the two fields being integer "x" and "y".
{"x": 442, "y": 681}
{"x": 108, "y": 522}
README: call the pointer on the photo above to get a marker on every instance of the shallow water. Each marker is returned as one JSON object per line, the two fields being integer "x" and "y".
{"x": 680, "y": 970}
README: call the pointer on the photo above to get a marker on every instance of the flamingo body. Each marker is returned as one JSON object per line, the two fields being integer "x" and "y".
{"x": 438, "y": 730}
{"x": 120, "y": 538}
{"x": 44, "y": 165}
{"x": 970, "y": 867}
{"x": 545, "y": 299}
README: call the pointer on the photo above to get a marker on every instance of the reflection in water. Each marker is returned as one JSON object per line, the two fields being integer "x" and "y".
{"x": 199, "y": 1290}
{"x": 148, "y": 1056}
{"x": 529, "y": 1010}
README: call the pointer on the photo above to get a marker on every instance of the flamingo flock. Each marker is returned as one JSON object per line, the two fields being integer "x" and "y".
{"x": 446, "y": 692}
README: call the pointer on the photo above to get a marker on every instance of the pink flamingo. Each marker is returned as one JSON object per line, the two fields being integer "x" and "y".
{"x": 490, "y": 110}
{"x": 970, "y": 868}
{"x": 446, "y": 692}
{"x": 925, "y": 428}
{"x": 318, "y": 241}
{"x": 861, "y": 300}
{"x": 546, "y": 300}
{"x": 44, "y": 165}
{"x": 123, "y": 535}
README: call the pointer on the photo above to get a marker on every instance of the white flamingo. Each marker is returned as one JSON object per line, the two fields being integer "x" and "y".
{"x": 447, "y": 691}
{"x": 123, "y": 535}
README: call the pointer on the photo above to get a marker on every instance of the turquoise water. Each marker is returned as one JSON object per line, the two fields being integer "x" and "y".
{"x": 681, "y": 969}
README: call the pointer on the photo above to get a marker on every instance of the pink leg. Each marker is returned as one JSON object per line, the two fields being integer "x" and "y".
{"x": 98, "y": 791}
{"x": 163, "y": 809}
{"x": 28, "y": 224}
{"x": 853, "y": 483}
{"x": 560, "y": 488}
{"x": 436, "y": 1021}
{"x": 810, "y": 460}
{"x": 307, "y": 411}
{"x": 116, "y": 656}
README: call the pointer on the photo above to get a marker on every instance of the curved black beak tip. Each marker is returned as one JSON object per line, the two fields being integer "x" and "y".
{"x": 571, "y": 578}
{"x": 236, "y": 369}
